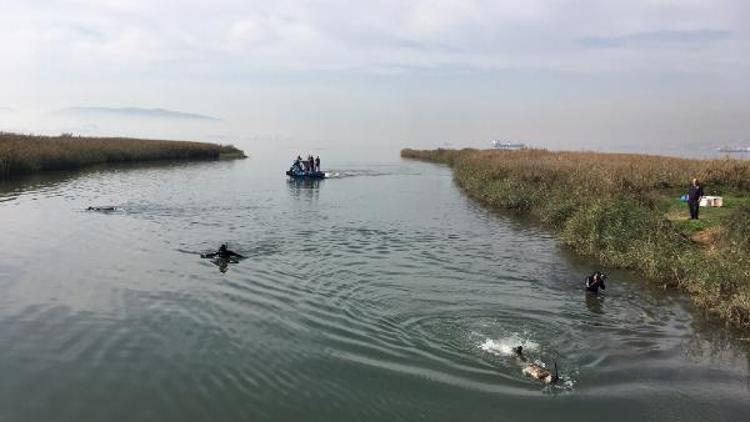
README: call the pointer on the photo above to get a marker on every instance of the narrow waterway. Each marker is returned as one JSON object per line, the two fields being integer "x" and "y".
{"x": 380, "y": 294}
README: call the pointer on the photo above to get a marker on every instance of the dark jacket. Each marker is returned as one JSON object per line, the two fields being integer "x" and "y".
{"x": 593, "y": 284}
{"x": 694, "y": 193}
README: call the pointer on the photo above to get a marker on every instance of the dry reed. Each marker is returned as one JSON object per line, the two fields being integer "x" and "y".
{"x": 24, "y": 154}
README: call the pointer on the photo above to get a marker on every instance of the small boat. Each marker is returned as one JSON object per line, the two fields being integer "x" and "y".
{"x": 296, "y": 173}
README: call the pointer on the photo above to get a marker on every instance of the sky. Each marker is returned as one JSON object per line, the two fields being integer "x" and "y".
{"x": 610, "y": 75}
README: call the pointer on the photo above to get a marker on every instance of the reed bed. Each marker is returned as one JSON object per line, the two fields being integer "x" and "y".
{"x": 612, "y": 207}
{"x": 25, "y": 154}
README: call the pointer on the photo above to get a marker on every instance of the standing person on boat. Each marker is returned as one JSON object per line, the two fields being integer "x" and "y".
{"x": 311, "y": 160}
{"x": 317, "y": 163}
{"x": 695, "y": 193}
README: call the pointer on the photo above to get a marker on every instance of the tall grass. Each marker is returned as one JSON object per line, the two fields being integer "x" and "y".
{"x": 610, "y": 206}
{"x": 24, "y": 154}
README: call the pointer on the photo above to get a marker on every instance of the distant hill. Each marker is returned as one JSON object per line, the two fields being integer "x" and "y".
{"x": 159, "y": 113}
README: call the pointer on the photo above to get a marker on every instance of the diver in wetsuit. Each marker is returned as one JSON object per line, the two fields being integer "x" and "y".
{"x": 595, "y": 281}
{"x": 223, "y": 253}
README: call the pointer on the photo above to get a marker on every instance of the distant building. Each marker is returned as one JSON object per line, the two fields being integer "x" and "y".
{"x": 507, "y": 145}
{"x": 734, "y": 149}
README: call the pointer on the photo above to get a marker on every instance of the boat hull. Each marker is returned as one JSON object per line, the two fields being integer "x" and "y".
{"x": 306, "y": 175}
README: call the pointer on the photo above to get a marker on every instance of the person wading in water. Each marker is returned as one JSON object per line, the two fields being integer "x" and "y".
{"x": 595, "y": 282}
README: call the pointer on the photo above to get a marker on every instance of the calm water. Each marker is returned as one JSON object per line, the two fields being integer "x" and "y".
{"x": 383, "y": 294}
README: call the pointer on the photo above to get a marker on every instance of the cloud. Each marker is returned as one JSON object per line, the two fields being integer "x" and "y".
{"x": 156, "y": 113}
{"x": 140, "y": 37}
{"x": 287, "y": 66}
{"x": 700, "y": 36}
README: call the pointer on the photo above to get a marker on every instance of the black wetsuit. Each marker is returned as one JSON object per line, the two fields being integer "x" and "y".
{"x": 694, "y": 196}
{"x": 223, "y": 253}
{"x": 593, "y": 285}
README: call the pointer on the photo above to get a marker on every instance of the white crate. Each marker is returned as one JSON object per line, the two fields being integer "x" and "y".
{"x": 712, "y": 201}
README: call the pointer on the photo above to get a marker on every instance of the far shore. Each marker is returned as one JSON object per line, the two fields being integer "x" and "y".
{"x": 625, "y": 210}
{"x": 28, "y": 154}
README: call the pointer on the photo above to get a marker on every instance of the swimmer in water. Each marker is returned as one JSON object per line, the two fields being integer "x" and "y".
{"x": 223, "y": 253}
{"x": 535, "y": 370}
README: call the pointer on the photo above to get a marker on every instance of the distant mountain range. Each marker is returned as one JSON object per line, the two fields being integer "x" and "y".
{"x": 159, "y": 113}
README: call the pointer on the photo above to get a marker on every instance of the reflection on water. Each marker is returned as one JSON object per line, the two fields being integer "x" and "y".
{"x": 304, "y": 188}
{"x": 47, "y": 182}
{"x": 594, "y": 302}
{"x": 382, "y": 294}
{"x": 297, "y": 183}
{"x": 717, "y": 344}
{"x": 223, "y": 263}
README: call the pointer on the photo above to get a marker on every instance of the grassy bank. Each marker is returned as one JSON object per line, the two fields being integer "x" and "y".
{"x": 25, "y": 154}
{"x": 624, "y": 210}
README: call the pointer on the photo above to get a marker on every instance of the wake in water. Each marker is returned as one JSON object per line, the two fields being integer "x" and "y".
{"x": 387, "y": 171}
{"x": 354, "y": 173}
{"x": 504, "y": 346}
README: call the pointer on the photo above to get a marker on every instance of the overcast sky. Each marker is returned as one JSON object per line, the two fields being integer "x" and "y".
{"x": 563, "y": 74}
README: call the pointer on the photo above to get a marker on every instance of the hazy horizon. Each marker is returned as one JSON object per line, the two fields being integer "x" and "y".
{"x": 656, "y": 76}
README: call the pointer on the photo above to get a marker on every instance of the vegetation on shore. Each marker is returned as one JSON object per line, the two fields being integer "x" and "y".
{"x": 25, "y": 154}
{"x": 624, "y": 209}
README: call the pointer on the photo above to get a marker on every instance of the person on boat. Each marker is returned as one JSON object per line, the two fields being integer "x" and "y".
{"x": 695, "y": 193}
{"x": 595, "y": 281}
{"x": 296, "y": 167}
{"x": 311, "y": 160}
{"x": 317, "y": 163}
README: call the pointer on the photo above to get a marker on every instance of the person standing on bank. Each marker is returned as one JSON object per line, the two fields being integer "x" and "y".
{"x": 695, "y": 193}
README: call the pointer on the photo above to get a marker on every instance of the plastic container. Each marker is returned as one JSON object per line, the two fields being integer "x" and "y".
{"x": 712, "y": 201}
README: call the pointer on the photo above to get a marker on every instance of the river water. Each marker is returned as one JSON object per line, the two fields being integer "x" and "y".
{"x": 381, "y": 294}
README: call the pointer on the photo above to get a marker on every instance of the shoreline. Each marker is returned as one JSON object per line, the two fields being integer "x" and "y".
{"x": 623, "y": 210}
{"x": 28, "y": 154}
